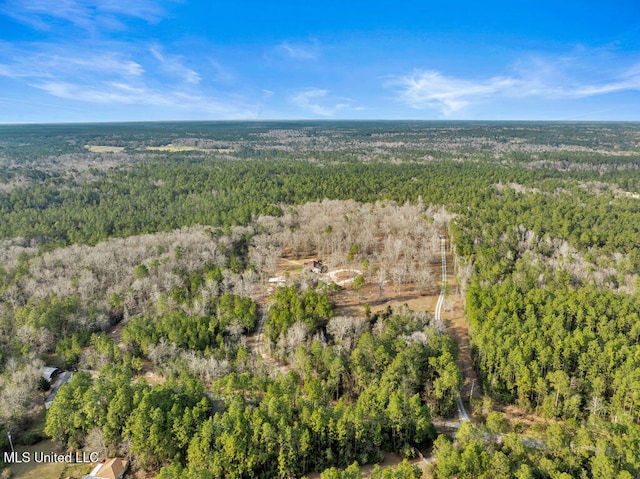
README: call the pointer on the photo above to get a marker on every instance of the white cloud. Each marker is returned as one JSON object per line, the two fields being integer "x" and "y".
{"x": 113, "y": 78}
{"x": 431, "y": 89}
{"x": 110, "y": 93}
{"x": 43, "y": 60}
{"x": 107, "y": 62}
{"x": 78, "y": 92}
{"x": 85, "y": 14}
{"x": 537, "y": 78}
{"x": 148, "y": 10}
{"x": 221, "y": 74}
{"x": 9, "y": 71}
{"x": 314, "y": 100}
{"x": 173, "y": 64}
{"x": 299, "y": 51}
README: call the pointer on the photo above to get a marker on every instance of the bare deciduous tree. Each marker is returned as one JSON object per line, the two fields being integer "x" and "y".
{"x": 19, "y": 390}
{"x": 381, "y": 276}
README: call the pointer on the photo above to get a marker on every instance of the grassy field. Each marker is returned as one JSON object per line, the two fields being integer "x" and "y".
{"x": 33, "y": 470}
{"x": 178, "y": 148}
{"x": 104, "y": 148}
{"x": 172, "y": 148}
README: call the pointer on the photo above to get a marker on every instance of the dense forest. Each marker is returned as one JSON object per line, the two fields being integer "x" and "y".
{"x": 141, "y": 256}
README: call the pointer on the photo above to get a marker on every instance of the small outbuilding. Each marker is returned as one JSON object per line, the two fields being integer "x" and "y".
{"x": 314, "y": 266}
{"x": 50, "y": 373}
{"x": 61, "y": 378}
{"x": 278, "y": 280}
{"x": 113, "y": 468}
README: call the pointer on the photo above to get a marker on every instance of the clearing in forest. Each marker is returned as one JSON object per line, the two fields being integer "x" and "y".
{"x": 104, "y": 148}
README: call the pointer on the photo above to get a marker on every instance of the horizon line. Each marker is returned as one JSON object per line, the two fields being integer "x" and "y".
{"x": 309, "y": 120}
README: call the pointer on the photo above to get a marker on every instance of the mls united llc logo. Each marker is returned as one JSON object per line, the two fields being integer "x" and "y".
{"x": 42, "y": 457}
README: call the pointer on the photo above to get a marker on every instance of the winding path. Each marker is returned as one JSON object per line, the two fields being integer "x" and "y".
{"x": 255, "y": 342}
{"x": 333, "y": 276}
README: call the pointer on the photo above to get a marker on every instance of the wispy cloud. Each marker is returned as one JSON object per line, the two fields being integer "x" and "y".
{"x": 431, "y": 89}
{"x": 319, "y": 102}
{"x": 109, "y": 93}
{"x": 173, "y": 64}
{"x": 11, "y": 71}
{"x": 146, "y": 77}
{"x": 298, "y": 51}
{"x": 38, "y": 64}
{"x": 534, "y": 78}
{"x": 85, "y": 14}
{"x": 110, "y": 62}
{"x": 221, "y": 73}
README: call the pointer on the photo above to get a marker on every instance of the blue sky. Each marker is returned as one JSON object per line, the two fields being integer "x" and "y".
{"x": 129, "y": 60}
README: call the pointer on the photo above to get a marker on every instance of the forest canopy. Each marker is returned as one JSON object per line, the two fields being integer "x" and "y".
{"x": 166, "y": 263}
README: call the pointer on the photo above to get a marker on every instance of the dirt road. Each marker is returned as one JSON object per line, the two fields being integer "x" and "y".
{"x": 454, "y": 324}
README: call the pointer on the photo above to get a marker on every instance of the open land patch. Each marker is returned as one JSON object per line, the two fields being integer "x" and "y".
{"x": 172, "y": 148}
{"x": 104, "y": 148}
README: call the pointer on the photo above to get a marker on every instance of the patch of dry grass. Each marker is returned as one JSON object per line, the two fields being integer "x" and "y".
{"x": 104, "y": 148}
{"x": 172, "y": 148}
{"x": 33, "y": 470}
